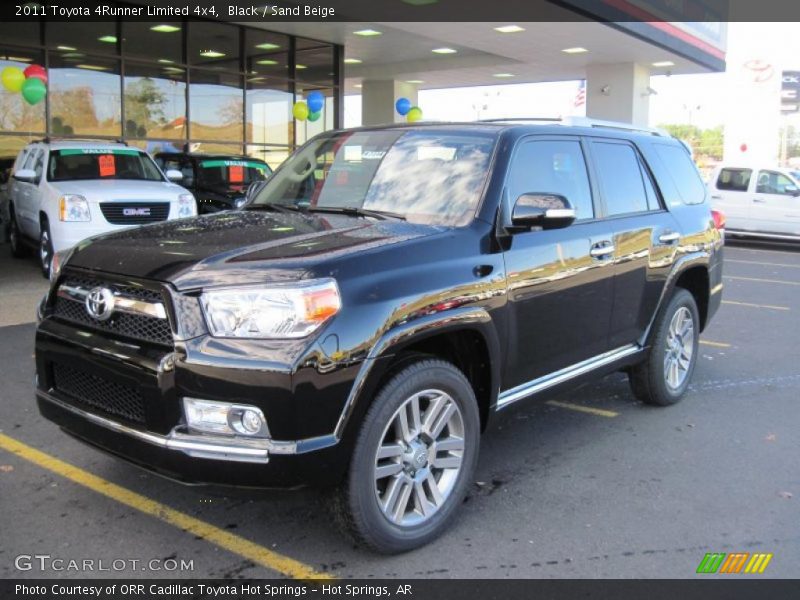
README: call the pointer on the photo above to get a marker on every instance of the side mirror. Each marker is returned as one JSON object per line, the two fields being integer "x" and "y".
{"x": 548, "y": 211}
{"x": 27, "y": 175}
{"x": 174, "y": 175}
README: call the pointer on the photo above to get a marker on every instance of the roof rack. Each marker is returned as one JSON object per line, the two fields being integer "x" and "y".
{"x": 49, "y": 139}
{"x": 583, "y": 122}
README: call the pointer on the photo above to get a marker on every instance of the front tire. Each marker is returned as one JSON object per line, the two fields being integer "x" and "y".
{"x": 663, "y": 378}
{"x": 45, "y": 249}
{"x": 18, "y": 249}
{"x": 414, "y": 459}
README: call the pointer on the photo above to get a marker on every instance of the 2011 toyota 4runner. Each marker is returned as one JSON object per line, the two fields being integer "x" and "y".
{"x": 390, "y": 289}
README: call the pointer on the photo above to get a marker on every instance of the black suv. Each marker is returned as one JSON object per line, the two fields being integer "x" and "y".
{"x": 218, "y": 181}
{"x": 367, "y": 312}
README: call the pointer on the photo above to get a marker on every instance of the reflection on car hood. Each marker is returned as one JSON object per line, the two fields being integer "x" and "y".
{"x": 239, "y": 247}
{"x": 105, "y": 190}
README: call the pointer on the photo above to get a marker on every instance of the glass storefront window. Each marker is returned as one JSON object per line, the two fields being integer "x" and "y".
{"x": 15, "y": 113}
{"x": 214, "y": 46}
{"x": 308, "y": 129}
{"x": 272, "y": 155}
{"x": 161, "y": 42}
{"x": 84, "y": 37}
{"x": 155, "y": 101}
{"x": 216, "y": 106}
{"x": 269, "y": 111}
{"x": 266, "y": 54}
{"x": 84, "y": 96}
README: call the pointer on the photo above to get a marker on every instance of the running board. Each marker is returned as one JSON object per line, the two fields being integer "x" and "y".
{"x": 576, "y": 370}
{"x": 766, "y": 236}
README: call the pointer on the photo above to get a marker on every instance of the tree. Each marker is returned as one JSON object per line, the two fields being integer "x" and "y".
{"x": 144, "y": 107}
{"x": 707, "y": 144}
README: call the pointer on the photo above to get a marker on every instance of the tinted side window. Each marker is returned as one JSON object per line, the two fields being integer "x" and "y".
{"x": 683, "y": 173}
{"x": 552, "y": 167}
{"x": 734, "y": 180}
{"x": 621, "y": 177}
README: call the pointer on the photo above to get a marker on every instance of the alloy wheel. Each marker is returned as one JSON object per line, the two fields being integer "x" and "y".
{"x": 680, "y": 348}
{"x": 419, "y": 458}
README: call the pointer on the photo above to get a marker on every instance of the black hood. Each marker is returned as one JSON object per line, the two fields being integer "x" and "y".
{"x": 238, "y": 247}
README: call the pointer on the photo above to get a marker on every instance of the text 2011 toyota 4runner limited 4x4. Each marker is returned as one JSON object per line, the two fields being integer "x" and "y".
{"x": 370, "y": 309}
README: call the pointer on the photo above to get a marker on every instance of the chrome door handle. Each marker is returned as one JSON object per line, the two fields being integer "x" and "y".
{"x": 669, "y": 237}
{"x": 759, "y": 201}
{"x": 716, "y": 197}
{"x": 601, "y": 251}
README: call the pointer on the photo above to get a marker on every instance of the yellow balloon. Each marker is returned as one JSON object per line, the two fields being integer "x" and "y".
{"x": 12, "y": 78}
{"x": 415, "y": 114}
{"x": 300, "y": 111}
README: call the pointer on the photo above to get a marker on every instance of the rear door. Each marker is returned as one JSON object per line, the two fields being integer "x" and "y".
{"x": 776, "y": 204}
{"x": 732, "y": 193}
{"x": 559, "y": 280}
{"x": 644, "y": 236}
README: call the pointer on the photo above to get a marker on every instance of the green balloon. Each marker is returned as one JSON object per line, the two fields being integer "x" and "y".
{"x": 314, "y": 116}
{"x": 34, "y": 90}
{"x": 300, "y": 111}
{"x": 12, "y": 78}
{"x": 414, "y": 115}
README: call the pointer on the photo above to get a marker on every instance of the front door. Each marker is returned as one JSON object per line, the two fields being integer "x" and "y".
{"x": 776, "y": 204}
{"x": 560, "y": 281}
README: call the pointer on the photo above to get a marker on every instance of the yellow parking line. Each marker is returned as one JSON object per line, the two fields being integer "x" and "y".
{"x": 598, "y": 412}
{"x": 215, "y": 535}
{"x": 756, "y": 262}
{"x": 751, "y": 305}
{"x": 763, "y": 280}
{"x": 715, "y": 344}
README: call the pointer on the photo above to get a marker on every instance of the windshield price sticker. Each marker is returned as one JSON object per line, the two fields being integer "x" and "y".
{"x": 236, "y": 173}
{"x": 107, "y": 165}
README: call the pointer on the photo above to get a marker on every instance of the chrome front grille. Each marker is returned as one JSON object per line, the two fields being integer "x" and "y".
{"x": 138, "y": 312}
{"x": 134, "y": 213}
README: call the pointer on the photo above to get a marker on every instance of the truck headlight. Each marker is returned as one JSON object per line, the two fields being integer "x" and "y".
{"x": 279, "y": 311}
{"x": 187, "y": 206}
{"x": 72, "y": 207}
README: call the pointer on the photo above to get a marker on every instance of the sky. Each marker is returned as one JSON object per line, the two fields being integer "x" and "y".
{"x": 705, "y": 100}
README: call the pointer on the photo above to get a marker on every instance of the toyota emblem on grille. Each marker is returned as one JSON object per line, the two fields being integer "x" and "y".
{"x": 100, "y": 303}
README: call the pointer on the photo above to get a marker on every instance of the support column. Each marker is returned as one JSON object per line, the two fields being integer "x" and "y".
{"x": 378, "y": 98}
{"x": 618, "y": 92}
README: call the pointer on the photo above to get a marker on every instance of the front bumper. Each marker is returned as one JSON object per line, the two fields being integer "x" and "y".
{"x": 193, "y": 461}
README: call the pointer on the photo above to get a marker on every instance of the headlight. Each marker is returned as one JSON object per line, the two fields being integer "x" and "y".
{"x": 280, "y": 311}
{"x": 239, "y": 202}
{"x": 72, "y": 207}
{"x": 187, "y": 207}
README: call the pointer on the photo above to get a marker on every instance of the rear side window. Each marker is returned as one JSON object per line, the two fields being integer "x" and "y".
{"x": 552, "y": 167}
{"x": 683, "y": 172}
{"x": 734, "y": 180}
{"x": 622, "y": 179}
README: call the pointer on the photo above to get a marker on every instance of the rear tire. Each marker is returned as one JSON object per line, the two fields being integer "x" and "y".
{"x": 18, "y": 249}
{"x": 45, "y": 248}
{"x": 662, "y": 379}
{"x": 414, "y": 459}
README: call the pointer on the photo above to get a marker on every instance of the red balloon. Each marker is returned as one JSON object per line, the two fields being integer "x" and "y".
{"x": 37, "y": 72}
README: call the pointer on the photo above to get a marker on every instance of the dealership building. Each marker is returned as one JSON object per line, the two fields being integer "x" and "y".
{"x": 229, "y": 87}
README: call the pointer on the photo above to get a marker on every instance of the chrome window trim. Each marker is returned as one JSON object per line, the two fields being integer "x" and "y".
{"x": 542, "y": 383}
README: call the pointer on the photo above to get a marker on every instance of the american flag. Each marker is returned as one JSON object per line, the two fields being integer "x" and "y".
{"x": 580, "y": 97}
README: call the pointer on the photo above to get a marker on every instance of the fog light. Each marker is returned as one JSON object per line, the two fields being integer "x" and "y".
{"x": 224, "y": 418}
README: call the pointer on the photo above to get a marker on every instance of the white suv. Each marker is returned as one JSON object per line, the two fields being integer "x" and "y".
{"x": 759, "y": 202}
{"x": 66, "y": 191}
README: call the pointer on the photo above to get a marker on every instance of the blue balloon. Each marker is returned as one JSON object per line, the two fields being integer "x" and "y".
{"x": 315, "y": 101}
{"x": 403, "y": 105}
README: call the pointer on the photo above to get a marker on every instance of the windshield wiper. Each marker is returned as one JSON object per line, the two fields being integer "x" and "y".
{"x": 357, "y": 212}
{"x": 276, "y": 206}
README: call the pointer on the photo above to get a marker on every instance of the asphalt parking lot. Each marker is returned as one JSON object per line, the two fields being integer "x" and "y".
{"x": 593, "y": 484}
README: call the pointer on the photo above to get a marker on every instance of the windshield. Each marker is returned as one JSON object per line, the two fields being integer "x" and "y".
{"x": 231, "y": 173}
{"x": 105, "y": 163}
{"x": 430, "y": 177}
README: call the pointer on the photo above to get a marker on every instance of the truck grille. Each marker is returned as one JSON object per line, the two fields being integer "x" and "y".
{"x": 140, "y": 327}
{"x": 98, "y": 393}
{"x": 134, "y": 213}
